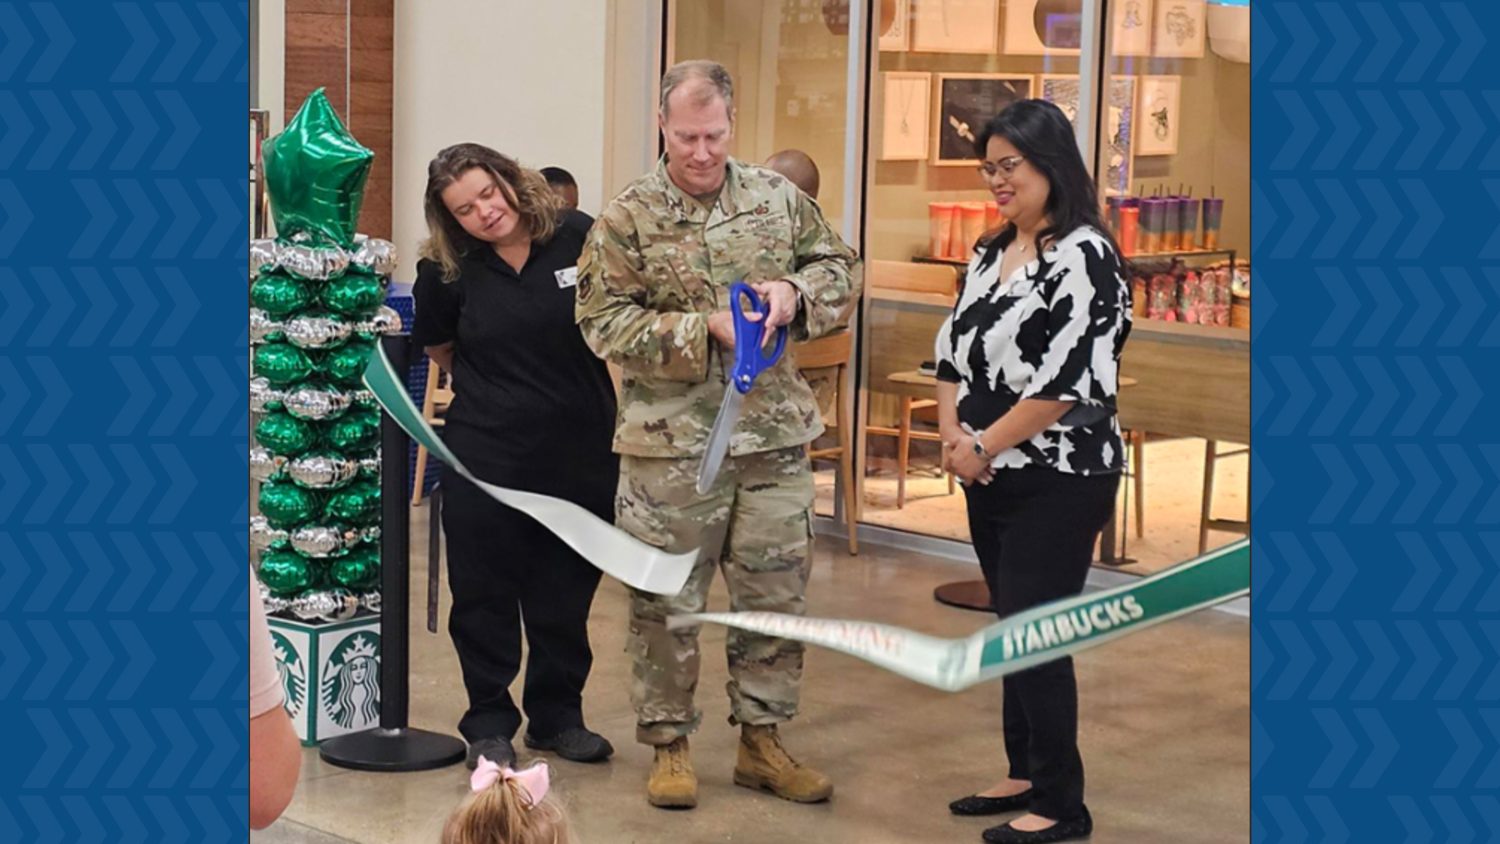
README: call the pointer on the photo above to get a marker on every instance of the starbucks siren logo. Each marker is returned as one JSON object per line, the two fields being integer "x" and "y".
{"x": 293, "y": 674}
{"x": 350, "y": 688}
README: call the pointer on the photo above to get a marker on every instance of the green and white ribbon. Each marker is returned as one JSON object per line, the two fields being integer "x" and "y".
{"x": 611, "y": 550}
{"x": 1038, "y": 635}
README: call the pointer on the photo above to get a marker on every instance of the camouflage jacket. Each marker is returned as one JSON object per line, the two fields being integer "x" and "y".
{"x": 657, "y": 263}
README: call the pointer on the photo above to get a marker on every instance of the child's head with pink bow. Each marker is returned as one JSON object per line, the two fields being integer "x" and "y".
{"x": 507, "y": 807}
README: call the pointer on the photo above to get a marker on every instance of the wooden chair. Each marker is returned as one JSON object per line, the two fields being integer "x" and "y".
{"x": 905, "y": 384}
{"x": 1136, "y": 470}
{"x": 435, "y": 401}
{"x": 1206, "y": 521}
{"x": 833, "y": 352}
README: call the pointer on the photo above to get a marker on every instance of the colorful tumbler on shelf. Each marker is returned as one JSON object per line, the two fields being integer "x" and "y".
{"x": 1190, "y": 223}
{"x": 940, "y": 222}
{"x": 1172, "y": 231}
{"x": 1130, "y": 223}
{"x": 972, "y": 216}
{"x": 1112, "y": 214}
{"x": 1151, "y": 221}
{"x": 1213, "y": 218}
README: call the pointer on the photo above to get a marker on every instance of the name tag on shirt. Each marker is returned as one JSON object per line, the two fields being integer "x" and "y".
{"x": 567, "y": 277}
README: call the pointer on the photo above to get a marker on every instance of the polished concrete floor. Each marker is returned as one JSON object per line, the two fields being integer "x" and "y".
{"x": 1174, "y": 496}
{"x": 1164, "y": 733}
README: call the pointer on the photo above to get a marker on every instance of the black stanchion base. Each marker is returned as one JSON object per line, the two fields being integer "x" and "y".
{"x": 401, "y": 749}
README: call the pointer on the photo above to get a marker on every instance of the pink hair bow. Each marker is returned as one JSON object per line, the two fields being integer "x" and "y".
{"x": 535, "y": 779}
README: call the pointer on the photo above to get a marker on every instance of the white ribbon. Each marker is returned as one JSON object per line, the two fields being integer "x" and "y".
{"x": 611, "y": 550}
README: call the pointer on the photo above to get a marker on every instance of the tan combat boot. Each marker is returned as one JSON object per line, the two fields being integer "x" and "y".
{"x": 765, "y": 764}
{"x": 673, "y": 785}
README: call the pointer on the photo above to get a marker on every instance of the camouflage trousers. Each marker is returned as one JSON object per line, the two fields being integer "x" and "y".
{"x": 754, "y": 525}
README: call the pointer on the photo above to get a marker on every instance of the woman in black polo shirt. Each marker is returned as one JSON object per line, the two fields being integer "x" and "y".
{"x": 533, "y": 409}
{"x": 1027, "y": 376}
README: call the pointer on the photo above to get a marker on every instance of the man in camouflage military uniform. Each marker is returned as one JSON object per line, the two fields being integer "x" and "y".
{"x": 653, "y": 298}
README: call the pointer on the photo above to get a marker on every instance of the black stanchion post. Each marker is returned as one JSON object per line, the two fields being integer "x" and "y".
{"x": 393, "y": 746}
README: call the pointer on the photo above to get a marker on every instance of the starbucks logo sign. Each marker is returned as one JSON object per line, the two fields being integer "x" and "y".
{"x": 349, "y": 689}
{"x": 293, "y": 673}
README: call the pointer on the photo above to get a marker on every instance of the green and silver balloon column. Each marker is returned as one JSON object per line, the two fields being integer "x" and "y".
{"x": 316, "y": 311}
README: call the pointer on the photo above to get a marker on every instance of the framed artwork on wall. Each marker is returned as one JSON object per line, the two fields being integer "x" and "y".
{"x": 898, "y": 37}
{"x": 1119, "y": 128}
{"x": 965, "y": 102}
{"x": 1131, "y": 28}
{"x": 1158, "y": 106}
{"x": 1043, "y": 27}
{"x": 955, "y": 26}
{"x": 907, "y": 104}
{"x": 1179, "y": 29}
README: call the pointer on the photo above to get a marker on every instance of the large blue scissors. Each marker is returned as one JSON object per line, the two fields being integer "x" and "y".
{"x": 749, "y": 361}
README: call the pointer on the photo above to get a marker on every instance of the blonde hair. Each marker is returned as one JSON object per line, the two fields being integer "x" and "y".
{"x": 720, "y": 84}
{"x": 525, "y": 190}
{"x": 503, "y": 814}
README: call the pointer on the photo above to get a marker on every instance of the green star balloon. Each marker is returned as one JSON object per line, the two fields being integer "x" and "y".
{"x": 315, "y": 175}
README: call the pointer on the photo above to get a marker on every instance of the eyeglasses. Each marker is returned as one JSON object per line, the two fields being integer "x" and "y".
{"x": 1004, "y": 167}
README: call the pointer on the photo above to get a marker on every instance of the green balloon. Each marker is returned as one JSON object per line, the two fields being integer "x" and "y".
{"x": 346, "y": 364}
{"x": 280, "y": 295}
{"x": 286, "y": 573}
{"x": 315, "y": 175}
{"x": 358, "y": 504}
{"x": 285, "y": 434}
{"x": 359, "y": 569}
{"x": 282, "y": 363}
{"x": 357, "y": 431}
{"x": 286, "y": 505}
{"x": 354, "y": 294}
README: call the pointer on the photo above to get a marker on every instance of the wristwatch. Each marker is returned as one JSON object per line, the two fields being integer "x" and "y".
{"x": 979, "y": 449}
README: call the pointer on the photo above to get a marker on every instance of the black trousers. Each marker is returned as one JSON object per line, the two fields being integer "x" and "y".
{"x": 505, "y": 568}
{"x": 1034, "y": 531}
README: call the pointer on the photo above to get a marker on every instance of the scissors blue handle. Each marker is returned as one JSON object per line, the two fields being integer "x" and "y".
{"x": 749, "y": 360}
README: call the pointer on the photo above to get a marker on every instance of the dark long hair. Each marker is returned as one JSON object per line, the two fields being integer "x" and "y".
{"x": 1042, "y": 134}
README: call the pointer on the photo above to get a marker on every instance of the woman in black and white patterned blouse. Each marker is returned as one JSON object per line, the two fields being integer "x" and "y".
{"x": 1027, "y": 376}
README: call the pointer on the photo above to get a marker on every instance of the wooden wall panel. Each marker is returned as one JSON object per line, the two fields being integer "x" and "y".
{"x": 347, "y": 47}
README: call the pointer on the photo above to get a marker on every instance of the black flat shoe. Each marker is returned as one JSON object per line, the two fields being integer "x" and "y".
{"x": 974, "y": 804}
{"x": 497, "y": 750}
{"x": 576, "y": 744}
{"x": 1079, "y": 827}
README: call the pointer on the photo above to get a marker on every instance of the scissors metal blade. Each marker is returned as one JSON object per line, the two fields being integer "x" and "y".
{"x": 718, "y": 438}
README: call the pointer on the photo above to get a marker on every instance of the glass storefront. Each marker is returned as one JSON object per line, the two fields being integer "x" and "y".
{"x": 1159, "y": 92}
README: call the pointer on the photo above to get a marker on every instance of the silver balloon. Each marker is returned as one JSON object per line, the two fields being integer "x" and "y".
{"x": 316, "y": 403}
{"x": 384, "y": 321}
{"x": 263, "y": 536}
{"x": 318, "y": 541}
{"x": 376, "y": 255}
{"x": 370, "y": 601}
{"x": 313, "y": 262}
{"x": 332, "y": 605}
{"x": 262, "y": 256}
{"x": 354, "y": 536}
{"x": 370, "y": 464}
{"x": 323, "y": 470}
{"x": 263, "y": 396}
{"x": 264, "y": 465}
{"x": 262, "y": 327}
{"x": 364, "y": 398}
{"x": 316, "y": 331}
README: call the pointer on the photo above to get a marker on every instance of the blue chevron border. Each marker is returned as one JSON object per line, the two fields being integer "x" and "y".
{"x": 123, "y": 575}
{"x": 1376, "y": 484}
